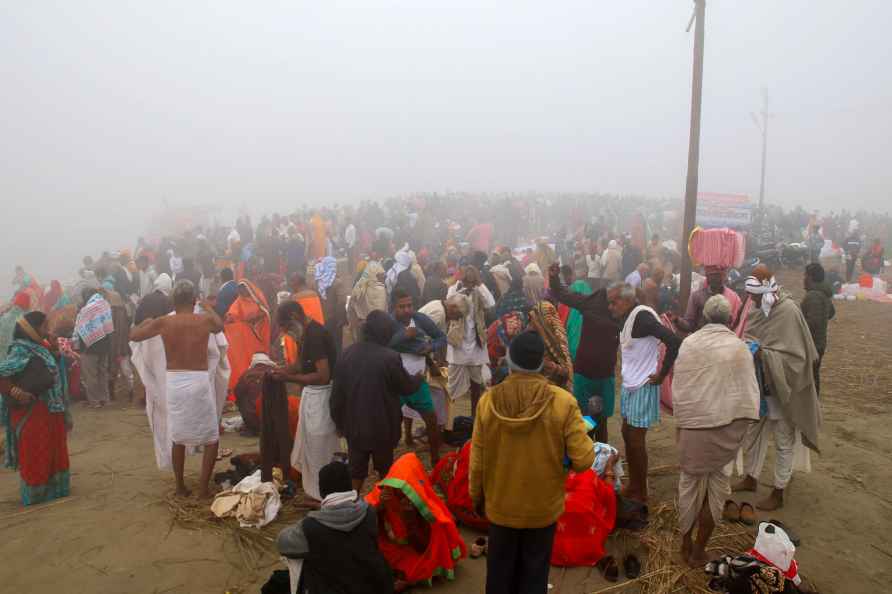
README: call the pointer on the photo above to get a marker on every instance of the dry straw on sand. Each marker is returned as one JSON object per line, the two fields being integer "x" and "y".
{"x": 663, "y": 571}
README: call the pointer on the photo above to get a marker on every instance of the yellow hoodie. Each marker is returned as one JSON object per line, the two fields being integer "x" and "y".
{"x": 524, "y": 429}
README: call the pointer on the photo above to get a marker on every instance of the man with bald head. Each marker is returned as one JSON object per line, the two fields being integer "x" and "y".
{"x": 639, "y": 339}
{"x": 191, "y": 404}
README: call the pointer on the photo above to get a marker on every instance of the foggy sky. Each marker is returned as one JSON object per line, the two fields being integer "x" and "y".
{"x": 108, "y": 108}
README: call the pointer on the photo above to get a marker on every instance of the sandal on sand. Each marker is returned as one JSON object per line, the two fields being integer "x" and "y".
{"x": 609, "y": 568}
{"x": 224, "y": 453}
{"x": 631, "y": 566}
{"x": 478, "y": 547}
{"x": 731, "y": 512}
{"x": 747, "y": 514}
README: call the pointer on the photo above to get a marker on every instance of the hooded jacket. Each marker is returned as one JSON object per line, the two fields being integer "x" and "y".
{"x": 524, "y": 431}
{"x": 817, "y": 307}
{"x": 340, "y": 550}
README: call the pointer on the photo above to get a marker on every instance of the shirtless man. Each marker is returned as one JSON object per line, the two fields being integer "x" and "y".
{"x": 191, "y": 406}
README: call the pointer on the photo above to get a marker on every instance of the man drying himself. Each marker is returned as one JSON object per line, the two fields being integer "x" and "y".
{"x": 466, "y": 350}
{"x": 715, "y": 400}
{"x": 693, "y": 318}
{"x": 191, "y": 403}
{"x": 365, "y": 402}
{"x": 417, "y": 336}
{"x": 787, "y": 356}
{"x": 316, "y": 441}
{"x": 595, "y": 363}
{"x": 525, "y": 432}
{"x": 640, "y": 341}
{"x": 817, "y": 307}
{"x": 339, "y": 543}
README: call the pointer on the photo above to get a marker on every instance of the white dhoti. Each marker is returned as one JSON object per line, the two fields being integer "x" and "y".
{"x": 191, "y": 409}
{"x": 790, "y": 454}
{"x": 693, "y": 489}
{"x": 316, "y": 440}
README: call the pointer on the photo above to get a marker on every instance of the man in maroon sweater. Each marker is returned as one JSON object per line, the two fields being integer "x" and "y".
{"x": 595, "y": 362}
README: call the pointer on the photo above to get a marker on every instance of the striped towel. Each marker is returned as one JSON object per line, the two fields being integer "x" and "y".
{"x": 94, "y": 321}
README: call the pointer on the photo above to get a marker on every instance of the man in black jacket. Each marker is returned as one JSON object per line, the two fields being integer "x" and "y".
{"x": 365, "y": 400}
{"x": 339, "y": 543}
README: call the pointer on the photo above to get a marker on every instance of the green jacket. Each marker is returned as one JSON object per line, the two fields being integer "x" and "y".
{"x": 817, "y": 307}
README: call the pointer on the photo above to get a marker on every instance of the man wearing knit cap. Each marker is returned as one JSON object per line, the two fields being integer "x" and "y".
{"x": 525, "y": 432}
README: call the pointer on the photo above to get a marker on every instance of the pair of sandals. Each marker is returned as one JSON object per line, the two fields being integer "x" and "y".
{"x": 743, "y": 513}
{"x": 610, "y": 569}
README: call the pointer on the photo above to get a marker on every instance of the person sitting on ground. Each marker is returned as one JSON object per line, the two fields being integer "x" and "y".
{"x": 715, "y": 400}
{"x": 339, "y": 542}
{"x": 249, "y": 391}
{"x": 417, "y": 535}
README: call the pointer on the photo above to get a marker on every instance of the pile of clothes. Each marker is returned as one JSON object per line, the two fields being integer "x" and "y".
{"x": 252, "y": 502}
{"x": 766, "y": 568}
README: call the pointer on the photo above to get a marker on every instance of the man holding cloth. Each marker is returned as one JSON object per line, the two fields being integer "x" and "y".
{"x": 191, "y": 403}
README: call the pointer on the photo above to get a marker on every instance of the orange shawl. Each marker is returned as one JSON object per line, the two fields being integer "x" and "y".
{"x": 246, "y": 337}
{"x": 446, "y": 546}
{"x": 311, "y": 305}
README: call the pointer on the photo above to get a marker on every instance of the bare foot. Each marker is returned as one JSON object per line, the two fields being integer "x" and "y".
{"x": 773, "y": 502}
{"x": 182, "y": 491}
{"x": 747, "y": 484}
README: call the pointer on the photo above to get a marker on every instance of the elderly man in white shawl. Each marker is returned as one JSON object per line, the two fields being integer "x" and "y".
{"x": 715, "y": 398}
{"x": 787, "y": 356}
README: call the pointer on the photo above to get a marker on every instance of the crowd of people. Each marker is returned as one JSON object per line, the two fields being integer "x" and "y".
{"x": 342, "y": 326}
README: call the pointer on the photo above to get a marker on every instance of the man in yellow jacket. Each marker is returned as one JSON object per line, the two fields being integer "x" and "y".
{"x": 526, "y": 433}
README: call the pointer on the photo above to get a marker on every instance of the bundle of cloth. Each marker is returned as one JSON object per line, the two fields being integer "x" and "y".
{"x": 420, "y": 540}
{"x": 717, "y": 247}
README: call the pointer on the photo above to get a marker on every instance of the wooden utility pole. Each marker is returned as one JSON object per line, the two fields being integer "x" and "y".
{"x": 690, "y": 193}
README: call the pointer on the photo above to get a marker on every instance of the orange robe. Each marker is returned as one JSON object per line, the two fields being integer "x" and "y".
{"x": 246, "y": 338}
{"x": 445, "y": 547}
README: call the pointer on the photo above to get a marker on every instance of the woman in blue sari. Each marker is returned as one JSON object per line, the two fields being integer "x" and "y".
{"x": 34, "y": 411}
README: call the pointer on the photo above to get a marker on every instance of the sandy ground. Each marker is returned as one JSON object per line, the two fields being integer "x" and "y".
{"x": 114, "y": 534}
